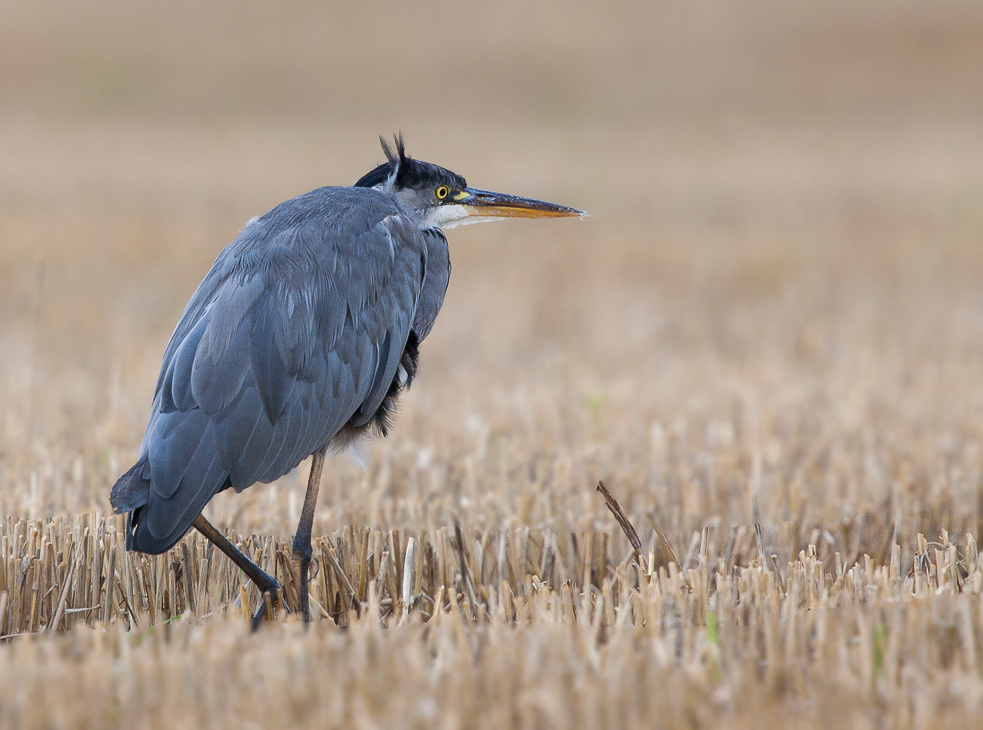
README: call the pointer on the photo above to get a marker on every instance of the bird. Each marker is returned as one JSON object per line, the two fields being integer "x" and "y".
{"x": 299, "y": 341}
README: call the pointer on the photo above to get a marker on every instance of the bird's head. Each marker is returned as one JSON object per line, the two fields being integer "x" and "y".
{"x": 440, "y": 198}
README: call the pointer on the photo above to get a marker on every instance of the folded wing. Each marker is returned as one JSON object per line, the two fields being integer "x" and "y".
{"x": 297, "y": 330}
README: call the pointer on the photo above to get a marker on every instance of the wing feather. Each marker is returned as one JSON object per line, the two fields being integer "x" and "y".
{"x": 234, "y": 429}
{"x": 176, "y": 392}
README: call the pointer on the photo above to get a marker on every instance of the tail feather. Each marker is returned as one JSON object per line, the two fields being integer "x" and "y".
{"x": 132, "y": 490}
{"x": 146, "y": 512}
{"x": 132, "y": 494}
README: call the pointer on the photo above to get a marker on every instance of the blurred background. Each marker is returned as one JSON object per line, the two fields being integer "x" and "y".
{"x": 778, "y": 289}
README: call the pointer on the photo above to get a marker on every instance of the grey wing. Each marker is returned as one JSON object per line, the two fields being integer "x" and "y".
{"x": 436, "y": 278}
{"x": 301, "y": 334}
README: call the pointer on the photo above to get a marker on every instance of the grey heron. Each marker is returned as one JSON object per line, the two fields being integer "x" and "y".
{"x": 299, "y": 340}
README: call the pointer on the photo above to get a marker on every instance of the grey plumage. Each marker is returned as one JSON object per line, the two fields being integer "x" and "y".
{"x": 294, "y": 338}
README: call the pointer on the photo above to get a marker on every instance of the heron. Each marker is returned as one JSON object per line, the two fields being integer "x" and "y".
{"x": 299, "y": 341}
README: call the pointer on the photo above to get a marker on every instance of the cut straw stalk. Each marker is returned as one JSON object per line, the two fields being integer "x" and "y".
{"x": 632, "y": 535}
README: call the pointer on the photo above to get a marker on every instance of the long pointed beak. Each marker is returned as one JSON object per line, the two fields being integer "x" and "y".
{"x": 485, "y": 204}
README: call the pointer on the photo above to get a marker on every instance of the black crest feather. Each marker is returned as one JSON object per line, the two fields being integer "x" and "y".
{"x": 397, "y": 157}
{"x": 396, "y": 160}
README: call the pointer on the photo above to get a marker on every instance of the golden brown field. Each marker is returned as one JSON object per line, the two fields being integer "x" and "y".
{"x": 777, "y": 298}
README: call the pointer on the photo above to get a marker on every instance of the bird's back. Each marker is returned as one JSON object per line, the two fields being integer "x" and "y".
{"x": 295, "y": 337}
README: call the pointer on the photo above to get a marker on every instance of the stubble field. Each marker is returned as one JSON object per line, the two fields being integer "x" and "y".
{"x": 775, "y": 301}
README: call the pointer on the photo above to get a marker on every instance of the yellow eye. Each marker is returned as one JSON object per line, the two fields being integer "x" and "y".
{"x": 442, "y": 192}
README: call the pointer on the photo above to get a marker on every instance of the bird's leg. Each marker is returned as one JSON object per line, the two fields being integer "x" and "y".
{"x": 302, "y": 540}
{"x": 269, "y": 589}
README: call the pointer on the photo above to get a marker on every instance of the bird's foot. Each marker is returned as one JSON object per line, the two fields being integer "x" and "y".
{"x": 270, "y": 603}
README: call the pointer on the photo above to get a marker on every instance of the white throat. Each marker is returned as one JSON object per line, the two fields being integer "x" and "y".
{"x": 455, "y": 214}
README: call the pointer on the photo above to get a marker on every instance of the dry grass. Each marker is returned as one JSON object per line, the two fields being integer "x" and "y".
{"x": 521, "y": 628}
{"x": 776, "y": 301}
{"x": 74, "y": 571}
